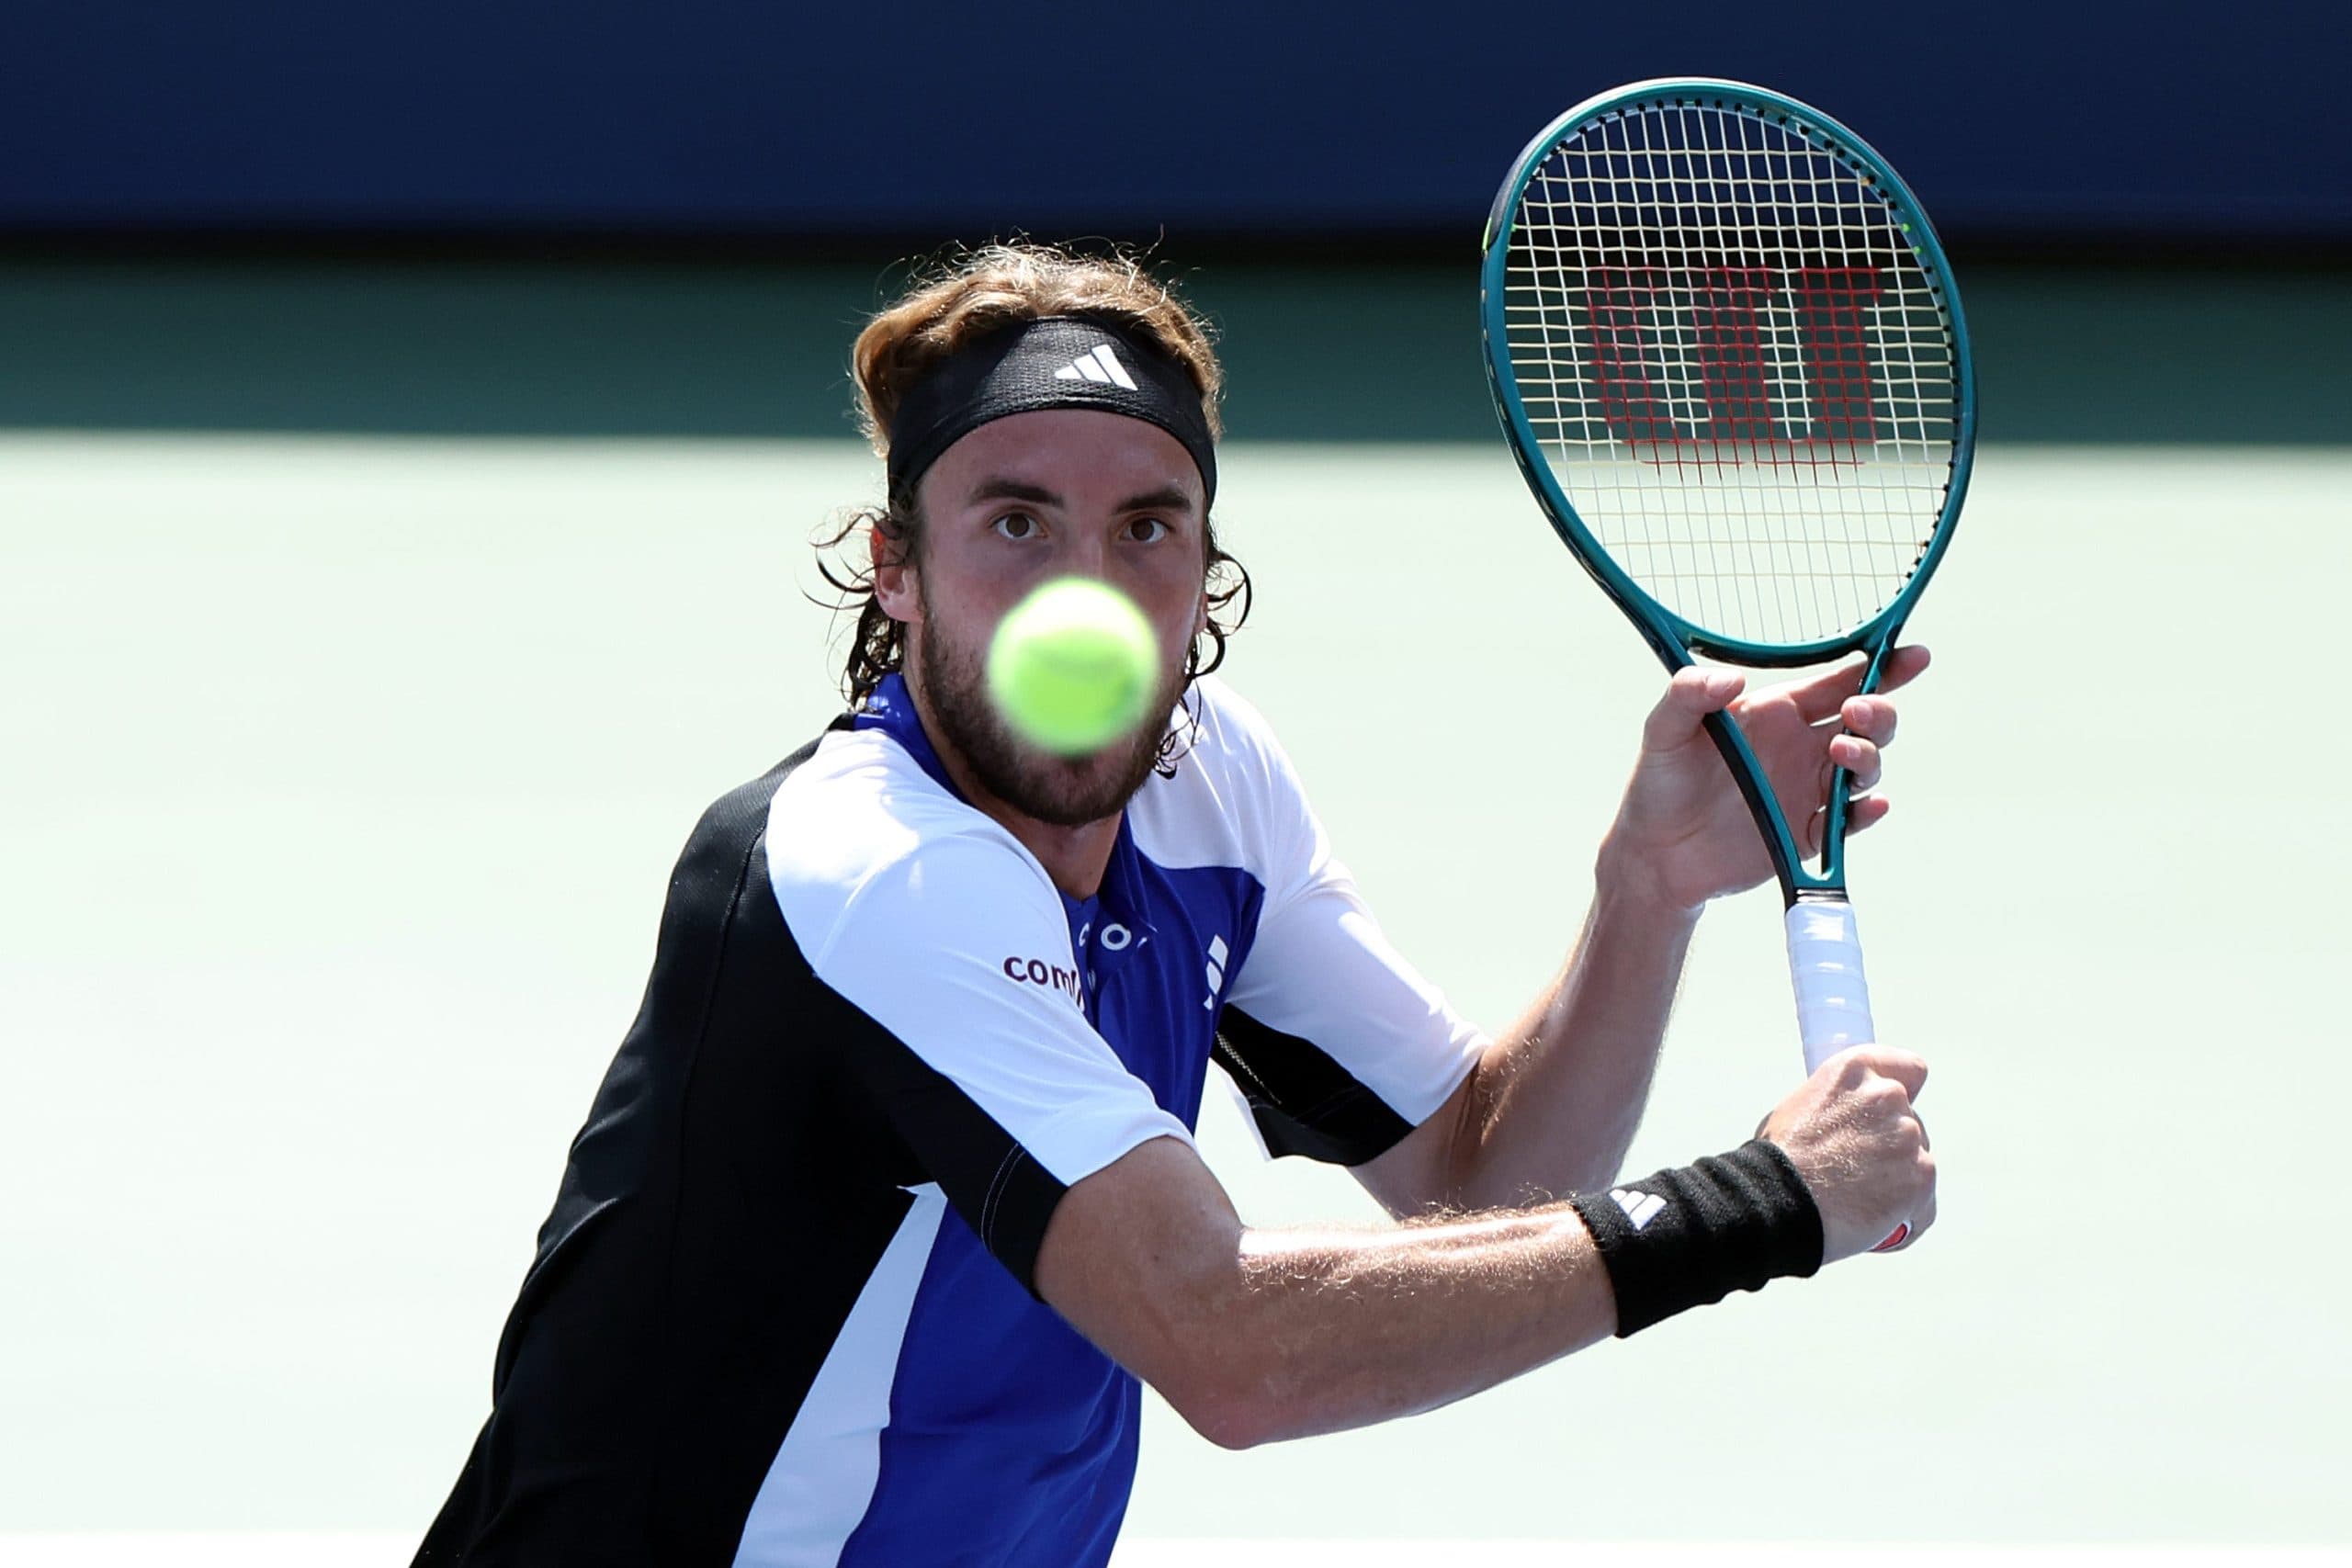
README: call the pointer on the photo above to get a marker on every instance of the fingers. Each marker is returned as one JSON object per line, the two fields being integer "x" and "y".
{"x": 1825, "y": 695}
{"x": 1859, "y": 757}
{"x": 1925, "y": 1214}
{"x": 1690, "y": 696}
{"x": 1820, "y": 697}
{"x": 1862, "y": 811}
{"x": 1868, "y": 718}
{"x": 1854, "y": 1133}
{"x": 1922, "y": 1217}
{"x": 1889, "y": 1082}
{"x": 1903, "y": 666}
{"x": 1864, "y": 768}
{"x": 1857, "y": 1064}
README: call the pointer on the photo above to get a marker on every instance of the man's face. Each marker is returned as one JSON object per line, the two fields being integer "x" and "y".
{"x": 1022, "y": 500}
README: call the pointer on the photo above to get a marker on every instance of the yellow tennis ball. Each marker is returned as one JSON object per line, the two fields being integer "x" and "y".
{"x": 1073, "y": 666}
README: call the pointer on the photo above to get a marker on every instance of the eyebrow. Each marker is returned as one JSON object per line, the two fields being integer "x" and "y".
{"x": 1167, "y": 498}
{"x": 999, "y": 489}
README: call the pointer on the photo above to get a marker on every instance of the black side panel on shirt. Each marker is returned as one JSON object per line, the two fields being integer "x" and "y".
{"x": 1004, "y": 1195}
{"x": 1303, "y": 1100}
{"x": 738, "y": 1176}
{"x": 599, "y": 1369}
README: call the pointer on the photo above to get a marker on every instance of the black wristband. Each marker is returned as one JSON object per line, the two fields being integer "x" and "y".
{"x": 1689, "y": 1237}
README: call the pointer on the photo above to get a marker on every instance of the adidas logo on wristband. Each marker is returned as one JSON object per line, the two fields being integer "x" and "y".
{"x": 1640, "y": 1207}
{"x": 1693, "y": 1235}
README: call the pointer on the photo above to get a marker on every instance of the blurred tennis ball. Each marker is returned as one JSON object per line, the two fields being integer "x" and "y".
{"x": 1073, "y": 665}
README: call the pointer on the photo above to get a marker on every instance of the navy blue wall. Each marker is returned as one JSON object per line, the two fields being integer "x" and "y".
{"x": 2059, "y": 119}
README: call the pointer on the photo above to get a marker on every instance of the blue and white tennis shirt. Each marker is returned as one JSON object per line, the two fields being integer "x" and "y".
{"x": 783, "y": 1312}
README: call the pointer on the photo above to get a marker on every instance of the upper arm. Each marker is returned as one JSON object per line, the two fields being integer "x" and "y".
{"x": 957, "y": 1033}
{"x": 1143, "y": 1257}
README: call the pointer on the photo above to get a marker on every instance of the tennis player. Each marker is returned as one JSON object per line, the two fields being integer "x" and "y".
{"x": 889, "y": 1203}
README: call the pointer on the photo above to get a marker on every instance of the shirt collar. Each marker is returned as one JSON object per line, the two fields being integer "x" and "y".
{"x": 889, "y": 708}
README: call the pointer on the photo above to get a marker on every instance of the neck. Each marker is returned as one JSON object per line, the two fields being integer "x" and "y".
{"x": 1075, "y": 858}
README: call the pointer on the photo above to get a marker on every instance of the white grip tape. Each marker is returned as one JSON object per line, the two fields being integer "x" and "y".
{"x": 1826, "y": 961}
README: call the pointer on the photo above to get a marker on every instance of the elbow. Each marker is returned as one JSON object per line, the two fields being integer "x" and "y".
{"x": 1237, "y": 1411}
{"x": 1224, "y": 1394}
{"x": 1232, "y": 1419}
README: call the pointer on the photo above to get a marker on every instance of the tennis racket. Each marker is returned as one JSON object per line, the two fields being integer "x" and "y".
{"x": 1728, "y": 354}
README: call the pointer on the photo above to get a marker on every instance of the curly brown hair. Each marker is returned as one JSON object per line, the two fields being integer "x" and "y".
{"x": 955, "y": 303}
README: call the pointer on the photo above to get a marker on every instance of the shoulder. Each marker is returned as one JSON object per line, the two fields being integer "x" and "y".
{"x": 723, "y": 851}
{"x": 1234, "y": 798}
{"x": 1232, "y": 731}
{"x": 857, "y": 831}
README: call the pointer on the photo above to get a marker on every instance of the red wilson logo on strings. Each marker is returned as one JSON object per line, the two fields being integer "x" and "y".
{"x": 1773, "y": 368}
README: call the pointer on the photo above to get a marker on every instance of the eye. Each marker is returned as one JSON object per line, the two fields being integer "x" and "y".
{"x": 1016, "y": 525}
{"x": 1147, "y": 530}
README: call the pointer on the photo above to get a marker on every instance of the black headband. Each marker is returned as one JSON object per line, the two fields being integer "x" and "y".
{"x": 1055, "y": 362}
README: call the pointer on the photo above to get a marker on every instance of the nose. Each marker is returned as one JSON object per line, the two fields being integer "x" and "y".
{"x": 1084, "y": 553}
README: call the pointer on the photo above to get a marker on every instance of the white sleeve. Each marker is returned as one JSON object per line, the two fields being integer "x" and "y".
{"x": 959, "y": 949}
{"x": 1340, "y": 1045}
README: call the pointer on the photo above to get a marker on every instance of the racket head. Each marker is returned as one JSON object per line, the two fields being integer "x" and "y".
{"x": 1722, "y": 335}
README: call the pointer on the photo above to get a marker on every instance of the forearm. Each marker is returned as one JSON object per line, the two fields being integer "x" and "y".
{"x": 1256, "y": 1336}
{"x": 1326, "y": 1330}
{"x": 1554, "y": 1104}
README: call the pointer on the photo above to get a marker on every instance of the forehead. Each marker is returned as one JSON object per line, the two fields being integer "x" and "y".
{"x": 1086, "y": 456}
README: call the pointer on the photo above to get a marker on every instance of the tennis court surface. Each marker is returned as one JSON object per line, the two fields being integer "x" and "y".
{"x": 348, "y": 773}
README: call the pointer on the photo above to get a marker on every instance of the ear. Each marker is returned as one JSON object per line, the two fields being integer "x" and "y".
{"x": 894, "y": 578}
{"x": 1201, "y": 617}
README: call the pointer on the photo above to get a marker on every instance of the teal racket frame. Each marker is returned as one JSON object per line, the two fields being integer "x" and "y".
{"x": 1675, "y": 639}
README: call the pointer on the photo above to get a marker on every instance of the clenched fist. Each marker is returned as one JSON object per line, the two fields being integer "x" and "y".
{"x": 1852, "y": 1135}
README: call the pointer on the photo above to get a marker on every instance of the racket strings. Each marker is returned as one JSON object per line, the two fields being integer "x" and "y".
{"x": 1740, "y": 372}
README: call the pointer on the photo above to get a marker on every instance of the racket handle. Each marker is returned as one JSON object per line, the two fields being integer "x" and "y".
{"x": 1826, "y": 961}
{"x": 1833, "y": 996}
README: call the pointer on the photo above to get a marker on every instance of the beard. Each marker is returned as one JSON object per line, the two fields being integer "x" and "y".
{"x": 1064, "y": 792}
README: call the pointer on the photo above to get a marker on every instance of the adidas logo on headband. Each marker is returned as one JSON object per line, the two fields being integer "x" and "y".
{"x": 1052, "y": 361}
{"x": 1100, "y": 365}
